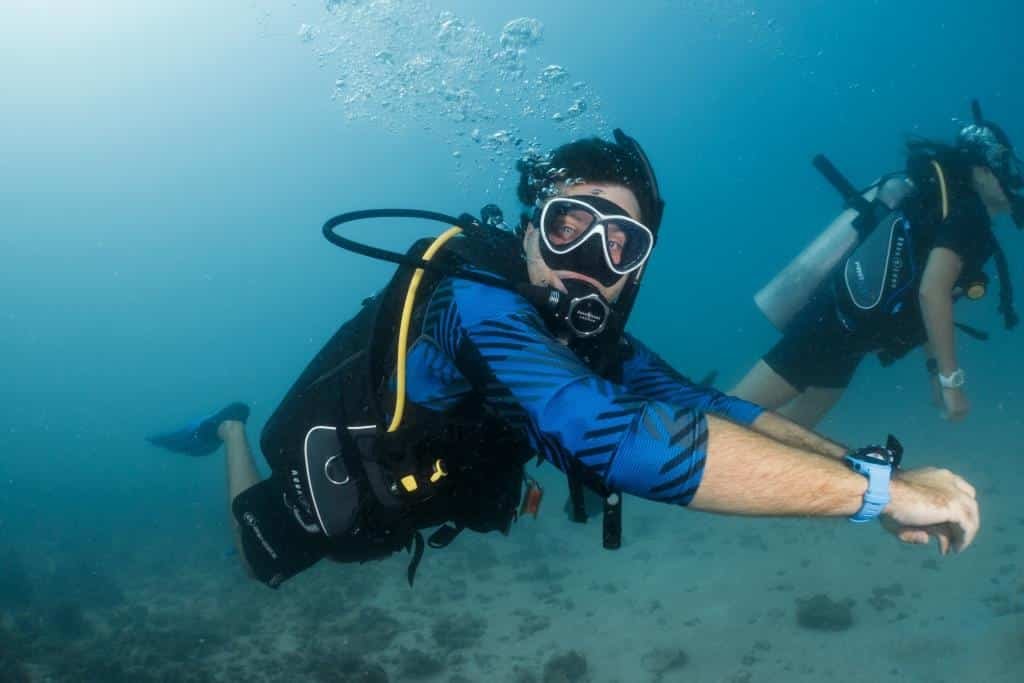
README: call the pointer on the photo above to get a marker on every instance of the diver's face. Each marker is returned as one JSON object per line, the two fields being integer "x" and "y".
{"x": 541, "y": 274}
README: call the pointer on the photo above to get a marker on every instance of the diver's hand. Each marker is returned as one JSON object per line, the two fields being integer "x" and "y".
{"x": 955, "y": 403}
{"x": 931, "y": 502}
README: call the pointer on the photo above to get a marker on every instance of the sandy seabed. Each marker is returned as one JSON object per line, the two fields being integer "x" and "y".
{"x": 689, "y": 597}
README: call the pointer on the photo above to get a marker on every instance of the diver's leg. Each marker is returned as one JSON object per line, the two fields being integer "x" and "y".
{"x": 812, "y": 405}
{"x": 765, "y": 387}
{"x": 242, "y": 473}
{"x": 827, "y": 375}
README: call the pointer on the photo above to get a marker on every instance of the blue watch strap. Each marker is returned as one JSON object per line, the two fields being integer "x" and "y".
{"x": 877, "y": 495}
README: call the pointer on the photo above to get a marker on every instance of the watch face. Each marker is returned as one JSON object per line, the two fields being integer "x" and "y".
{"x": 954, "y": 380}
{"x": 874, "y": 458}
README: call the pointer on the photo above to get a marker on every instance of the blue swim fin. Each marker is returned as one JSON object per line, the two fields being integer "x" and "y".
{"x": 199, "y": 437}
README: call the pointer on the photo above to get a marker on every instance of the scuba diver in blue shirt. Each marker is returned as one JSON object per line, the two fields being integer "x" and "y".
{"x": 491, "y": 347}
{"x": 884, "y": 276}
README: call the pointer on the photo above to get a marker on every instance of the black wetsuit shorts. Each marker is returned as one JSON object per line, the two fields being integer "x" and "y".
{"x": 818, "y": 350}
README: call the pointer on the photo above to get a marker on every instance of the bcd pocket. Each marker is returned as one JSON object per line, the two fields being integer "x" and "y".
{"x": 333, "y": 487}
{"x": 879, "y": 271}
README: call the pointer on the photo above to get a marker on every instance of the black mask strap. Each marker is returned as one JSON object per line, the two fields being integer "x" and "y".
{"x": 627, "y": 299}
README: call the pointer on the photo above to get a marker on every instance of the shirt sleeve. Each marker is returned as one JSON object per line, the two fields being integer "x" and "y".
{"x": 645, "y": 373}
{"x": 630, "y": 443}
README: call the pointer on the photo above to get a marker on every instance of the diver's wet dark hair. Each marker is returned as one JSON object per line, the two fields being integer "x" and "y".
{"x": 592, "y": 160}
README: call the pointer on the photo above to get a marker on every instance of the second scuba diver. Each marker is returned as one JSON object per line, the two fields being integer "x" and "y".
{"x": 884, "y": 276}
{"x": 490, "y": 347}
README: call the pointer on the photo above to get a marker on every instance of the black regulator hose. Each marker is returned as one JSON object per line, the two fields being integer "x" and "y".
{"x": 557, "y": 303}
{"x": 466, "y": 222}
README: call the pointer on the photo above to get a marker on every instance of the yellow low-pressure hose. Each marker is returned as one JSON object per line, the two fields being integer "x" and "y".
{"x": 943, "y": 191}
{"x": 403, "y": 330}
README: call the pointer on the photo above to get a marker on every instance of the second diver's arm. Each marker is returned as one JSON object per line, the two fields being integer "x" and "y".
{"x": 940, "y": 275}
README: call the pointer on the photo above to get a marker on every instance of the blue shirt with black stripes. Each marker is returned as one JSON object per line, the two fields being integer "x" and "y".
{"x": 646, "y": 436}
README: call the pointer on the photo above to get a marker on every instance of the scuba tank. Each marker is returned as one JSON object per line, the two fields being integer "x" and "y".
{"x": 793, "y": 287}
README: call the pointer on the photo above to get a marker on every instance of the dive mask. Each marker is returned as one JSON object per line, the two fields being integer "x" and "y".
{"x": 995, "y": 151}
{"x": 592, "y": 236}
{"x": 992, "y": 147}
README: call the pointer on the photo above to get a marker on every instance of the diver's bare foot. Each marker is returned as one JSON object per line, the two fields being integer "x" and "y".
{"x": 230, "y": 429}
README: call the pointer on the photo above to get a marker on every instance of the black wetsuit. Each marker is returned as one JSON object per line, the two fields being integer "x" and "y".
{"x": 822, "y": 347}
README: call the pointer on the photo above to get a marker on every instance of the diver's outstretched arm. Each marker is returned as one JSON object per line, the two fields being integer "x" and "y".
{"x": 790, "y": 433}
{"x": 242, "y": 473}
{"x": 749, "y": 474}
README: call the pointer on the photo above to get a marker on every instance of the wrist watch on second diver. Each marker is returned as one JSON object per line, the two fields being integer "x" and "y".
{"x": 953, "y": 380}
{"x": 877, "y": 463}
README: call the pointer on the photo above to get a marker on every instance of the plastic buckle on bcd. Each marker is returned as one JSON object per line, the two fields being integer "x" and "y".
{"x": 411, "y": 483}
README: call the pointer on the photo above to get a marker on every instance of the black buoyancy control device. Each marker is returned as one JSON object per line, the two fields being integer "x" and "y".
{"x": 486, "y": 254}
{"x": 880, "y": 268}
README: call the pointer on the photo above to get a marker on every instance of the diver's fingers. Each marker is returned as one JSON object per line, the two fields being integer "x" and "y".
{"x": 914, "y": 536}
{"x": 967, "y": 527}
{"x": 943, "y": 537}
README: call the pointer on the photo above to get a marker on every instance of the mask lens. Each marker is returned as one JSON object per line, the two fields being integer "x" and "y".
{"x": 568, "y": 223}
{"x": 627, "y": 244}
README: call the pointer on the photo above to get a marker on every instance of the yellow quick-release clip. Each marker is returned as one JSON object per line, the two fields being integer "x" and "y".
{"x": 943, "y": 189}
{"x": 439, "y": 472}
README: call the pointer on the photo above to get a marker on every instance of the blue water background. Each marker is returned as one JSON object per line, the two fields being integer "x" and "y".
{"x": 165, "y": 168}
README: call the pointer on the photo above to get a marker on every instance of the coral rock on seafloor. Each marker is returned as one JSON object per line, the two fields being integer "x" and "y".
{"x": 822, "y": 613}
{"x": 568, "y": 667}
